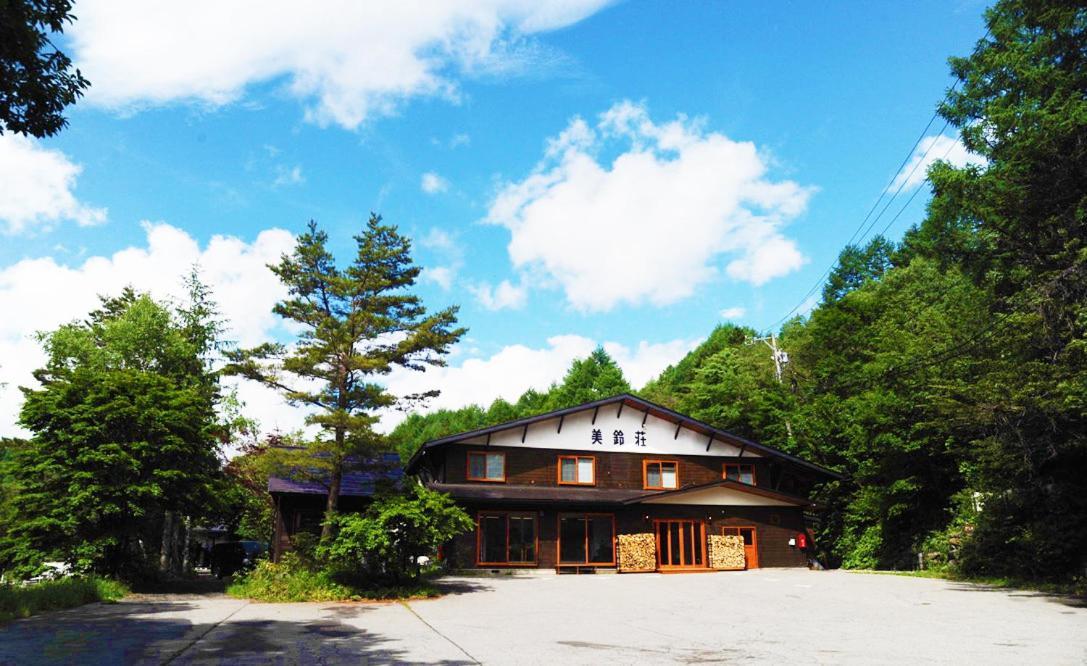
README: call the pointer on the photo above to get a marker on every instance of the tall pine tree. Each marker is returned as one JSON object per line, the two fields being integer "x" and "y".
{"x": 357, "y": 324}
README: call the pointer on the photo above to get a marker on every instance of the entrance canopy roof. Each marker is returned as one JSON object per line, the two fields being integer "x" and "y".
{"x": 725, "y": 492}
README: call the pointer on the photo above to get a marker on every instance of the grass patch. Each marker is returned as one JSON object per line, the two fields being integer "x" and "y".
{"x": 1076, "y": 588}
{"x": 288, "y": 581}
{"x": 18, "y": 601}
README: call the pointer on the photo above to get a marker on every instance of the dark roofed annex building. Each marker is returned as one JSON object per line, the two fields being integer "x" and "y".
{"x": 557, "y": 490}
{"x": 299, "y": 500}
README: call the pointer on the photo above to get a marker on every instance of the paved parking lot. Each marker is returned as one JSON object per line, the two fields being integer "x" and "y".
{"x": 763, "y": 616}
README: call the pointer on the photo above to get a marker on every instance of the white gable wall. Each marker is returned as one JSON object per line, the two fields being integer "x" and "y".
{"x": 577, "y": 435}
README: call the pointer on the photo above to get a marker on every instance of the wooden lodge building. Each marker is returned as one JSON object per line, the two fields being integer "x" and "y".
{"x": 570, "y": 489}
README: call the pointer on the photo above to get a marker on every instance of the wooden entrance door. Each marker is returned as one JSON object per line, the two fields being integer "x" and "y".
{"x": 751, "y": 544}
{"x": 681, "y": 544}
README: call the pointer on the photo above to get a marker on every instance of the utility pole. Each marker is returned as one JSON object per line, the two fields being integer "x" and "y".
{"x": 781, "y": 357}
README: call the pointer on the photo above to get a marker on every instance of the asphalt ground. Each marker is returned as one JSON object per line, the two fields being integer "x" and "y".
{"x": 763, "y": 616}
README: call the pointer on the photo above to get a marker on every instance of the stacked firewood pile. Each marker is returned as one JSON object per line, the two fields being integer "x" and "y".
{"x": 637, "y": 552}
{"x": 726, "y": 551}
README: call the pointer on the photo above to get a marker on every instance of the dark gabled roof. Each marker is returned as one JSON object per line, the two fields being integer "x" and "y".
{"x": 724, "y": 483}
{"x": 355, "y": 483}
{"x": 633, "y": 401}
{"x": 499, "y": 492}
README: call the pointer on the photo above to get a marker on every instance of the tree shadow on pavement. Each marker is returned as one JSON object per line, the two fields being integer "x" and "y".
{"x": 197, "y": 584}
{"x": 137, "y": 633}
{"x": 95, "y": 634}
{"x": 460, "y": 586}
{"x": 1064, "y": 599}
{"x": 348, "y": 610}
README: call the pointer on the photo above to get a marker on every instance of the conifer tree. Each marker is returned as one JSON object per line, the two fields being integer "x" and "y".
{"x": 358, "y": 323}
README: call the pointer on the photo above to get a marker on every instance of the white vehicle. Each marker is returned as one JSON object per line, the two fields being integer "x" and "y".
{"x": 53, "y": 571}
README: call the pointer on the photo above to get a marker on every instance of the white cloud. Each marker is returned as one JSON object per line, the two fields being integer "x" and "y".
{"x": 506, "y": 296}
{"x": 442, "y": 241}
{"x": 291, "y": 176}
{"x": 43, "y": 294}
{"x": 507, "y": 374}
{"x": 651, "y": 224}
{"x": 517, "y": 368}
{"x": 432, "y": 183}
{"x": 40, "y": 294}
{"x": 440, "y": 275}
{"x": 930, "y": 150}
{"x": 346, "y": 61}
{"x": 648, "y": 359}
{"x": 733, "y": 313}
{"x": 772, "y": 257}
{"x": 38, "y": 185}
{"x": 456, "y": 141}
{"x": 444, "y": 245}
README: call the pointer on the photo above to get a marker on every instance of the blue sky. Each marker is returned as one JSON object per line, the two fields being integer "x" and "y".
{"x": 724, "y": 154}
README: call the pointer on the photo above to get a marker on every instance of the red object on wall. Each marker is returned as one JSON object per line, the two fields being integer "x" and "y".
{"x": 802, "y": 541}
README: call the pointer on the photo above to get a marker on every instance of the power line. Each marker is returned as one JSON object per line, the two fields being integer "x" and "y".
{"x": 898, "y": 172}
{"x": 906, "y": 181}
{"x": 916, "y": 190}
{"x": 819, "y": 282}
{"x": 995, "y": 324}
{"x": 944, "y": 356}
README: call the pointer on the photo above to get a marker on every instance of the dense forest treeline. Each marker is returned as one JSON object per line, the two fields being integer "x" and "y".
{"x": 946, "y": 374}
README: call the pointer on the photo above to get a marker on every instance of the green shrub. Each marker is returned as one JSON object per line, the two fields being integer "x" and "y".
{"x": 385, "y": 543}
{"x": 861, "y": 551}
{"x": 23, "y": 601}
{"x": 942, "y": 548}
{"x": 291, "y": 579}
{"x": 288, "y": 580}
{"x": 372, "y": 556}
{"x": 304, "y": 547}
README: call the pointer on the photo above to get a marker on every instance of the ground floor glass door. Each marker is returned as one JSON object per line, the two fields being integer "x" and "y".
{"x": 506, "y": 538}
{"x": 586, "y": 539}
{"x": 681, "y": 544}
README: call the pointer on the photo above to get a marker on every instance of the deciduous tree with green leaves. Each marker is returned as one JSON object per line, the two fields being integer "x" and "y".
{"x": 357, "y": 324}
{"x": 125, "y": 432}
{"x": 37, "y": 80}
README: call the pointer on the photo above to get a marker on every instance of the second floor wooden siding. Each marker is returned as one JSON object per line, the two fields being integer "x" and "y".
{"x": 613, "y": 470}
